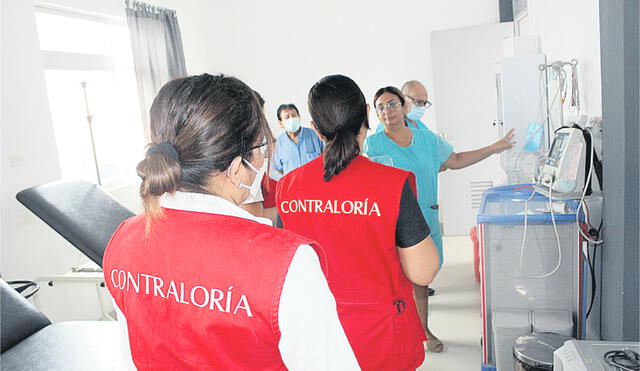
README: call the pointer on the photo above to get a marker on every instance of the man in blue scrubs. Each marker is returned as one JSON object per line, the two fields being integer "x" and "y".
{"x": 418, "y": 102}
{"x": 297, "y": 145}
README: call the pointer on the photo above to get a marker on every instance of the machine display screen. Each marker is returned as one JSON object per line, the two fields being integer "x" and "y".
{"x": 556, "y": 149}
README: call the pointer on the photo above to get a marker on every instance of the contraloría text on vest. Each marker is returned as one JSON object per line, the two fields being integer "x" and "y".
{"x": 330, "y": 207}
{"x": 202, "y": 297}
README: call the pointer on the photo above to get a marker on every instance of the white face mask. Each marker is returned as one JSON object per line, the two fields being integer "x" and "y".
{"x": 255, "y": 190}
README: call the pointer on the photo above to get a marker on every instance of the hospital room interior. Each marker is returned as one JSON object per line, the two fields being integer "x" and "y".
{"x": 196, "y": 184}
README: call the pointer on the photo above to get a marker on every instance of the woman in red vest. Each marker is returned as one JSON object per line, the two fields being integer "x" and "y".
{"x": 263, "y": 204}
{"x": 198, "y": 282}
{"x": 366, "y": 217}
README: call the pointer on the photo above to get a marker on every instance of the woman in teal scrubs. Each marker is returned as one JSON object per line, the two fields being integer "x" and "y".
{"x": 423, "y": 153}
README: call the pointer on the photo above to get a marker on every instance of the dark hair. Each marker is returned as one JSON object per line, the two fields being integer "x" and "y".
{"x": 339, "y": 110}
{"x": 260, "y": 99}
{"x": 209, "y": 120}
{"x": 389, "y": 89}
{"x": 284, "y": 107}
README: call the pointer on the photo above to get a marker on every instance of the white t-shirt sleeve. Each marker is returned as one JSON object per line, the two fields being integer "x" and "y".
{"x": 312, "y": 336}
{"x": 125, "y": 353}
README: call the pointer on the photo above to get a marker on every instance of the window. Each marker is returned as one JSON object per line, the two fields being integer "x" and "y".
{"x": 90, "y": 77}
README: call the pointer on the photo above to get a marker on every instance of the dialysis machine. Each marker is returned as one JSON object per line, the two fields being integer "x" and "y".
{"x": 538, "y": 242}
{"x": 538, "y": 249}
{"x": 571, "y": 168}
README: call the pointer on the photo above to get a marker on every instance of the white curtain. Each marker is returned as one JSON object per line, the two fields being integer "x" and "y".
{"x": 157, "y": 51}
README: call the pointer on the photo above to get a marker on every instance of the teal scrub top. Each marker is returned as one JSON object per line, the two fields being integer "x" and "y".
{"x": 421, "y": 126}
{"x": 423, "y": 157}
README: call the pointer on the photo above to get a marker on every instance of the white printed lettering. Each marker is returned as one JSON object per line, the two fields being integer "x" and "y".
{"x": 359, "y": 206}
{"x": 193, "y": 296}
{"x": 157, "y": 288}
{"x": 135, "y": 283}
{"x": 374, "y": 209}
{"x": 113, "y": 280}
{"x": 347, "y": 211}
{"x": 200, "y": 296}
{"x": 182, "y": 294}
{"x": 352, "y": 207}
{"x": 172, "y": 291}
{"x": 240, "y": 305}
{"x": 216, "y": 296}
{"x": 122, "y": 280}
{"x": 146, "y": 284}
{"x": 227, "y": 307}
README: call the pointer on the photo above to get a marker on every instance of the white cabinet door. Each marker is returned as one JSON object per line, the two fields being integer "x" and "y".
{"x": 465, "y": 100}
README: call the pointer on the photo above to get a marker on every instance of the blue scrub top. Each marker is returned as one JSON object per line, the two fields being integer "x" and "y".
{"x": 288, "y": 155}
{"x": 421, "y": 126}
{"x": 423, "y": 157}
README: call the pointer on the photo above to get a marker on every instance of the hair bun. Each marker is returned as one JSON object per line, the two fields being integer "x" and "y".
{"x": 165, "y": 147}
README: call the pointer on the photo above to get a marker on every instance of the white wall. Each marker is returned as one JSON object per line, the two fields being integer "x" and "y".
{"x": 282, "y": 47}
{"x": 571, "y": 29}
{"x": 29, "y": 154}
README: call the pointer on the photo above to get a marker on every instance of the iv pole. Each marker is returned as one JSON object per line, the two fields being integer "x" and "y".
{"x": 558, "y": 69}
{"x": 89, "y": 121}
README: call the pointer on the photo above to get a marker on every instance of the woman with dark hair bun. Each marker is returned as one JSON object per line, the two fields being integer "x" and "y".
{"x": 198, "y": 282}
{"x": 367, "y": 219}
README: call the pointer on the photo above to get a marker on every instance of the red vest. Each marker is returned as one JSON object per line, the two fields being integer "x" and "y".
{"x": 353, "y": 217}
{"x": 202, "y": 292}
{"x": 269, "y": 194}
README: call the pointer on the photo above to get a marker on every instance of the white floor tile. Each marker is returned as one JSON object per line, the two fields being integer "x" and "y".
{"x": 454, "y": 312}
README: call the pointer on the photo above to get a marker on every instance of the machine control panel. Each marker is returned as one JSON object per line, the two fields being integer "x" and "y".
{"x": 563, "y": 169}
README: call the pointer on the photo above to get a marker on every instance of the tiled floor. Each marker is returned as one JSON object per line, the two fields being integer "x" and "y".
{"x": 455, "y": 311}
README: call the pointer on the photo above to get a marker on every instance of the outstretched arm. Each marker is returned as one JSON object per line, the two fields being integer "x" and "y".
{"x": 464, "y": 159}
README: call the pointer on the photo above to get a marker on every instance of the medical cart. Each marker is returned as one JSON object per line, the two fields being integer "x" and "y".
{"x": 539, "y": 285}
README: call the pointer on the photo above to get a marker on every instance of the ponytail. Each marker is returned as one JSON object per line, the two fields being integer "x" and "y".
{"x": 339, "y": 153}
{"x": 339, "y": 111}
{"x": 160, "y": 173}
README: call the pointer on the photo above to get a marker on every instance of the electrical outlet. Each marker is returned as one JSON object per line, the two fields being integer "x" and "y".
{"x": 16, "y": 160}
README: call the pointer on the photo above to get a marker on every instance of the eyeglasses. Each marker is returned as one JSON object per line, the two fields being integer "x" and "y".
{"x": 419, "y": 102}
{"x": 392, "y": 106}
{"x": 262, "y": 146}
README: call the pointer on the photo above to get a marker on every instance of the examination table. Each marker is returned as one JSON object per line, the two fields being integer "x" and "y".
{"x": 86, "y": 216}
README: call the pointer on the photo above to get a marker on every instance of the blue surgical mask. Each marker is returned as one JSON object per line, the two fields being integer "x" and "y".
{"x": 416, "y": 112}
{"x": 292, "y": 125}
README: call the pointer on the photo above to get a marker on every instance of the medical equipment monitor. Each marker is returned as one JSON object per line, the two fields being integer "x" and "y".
{"x": 562, "y": 174}
{"x": 556, "y": 149}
